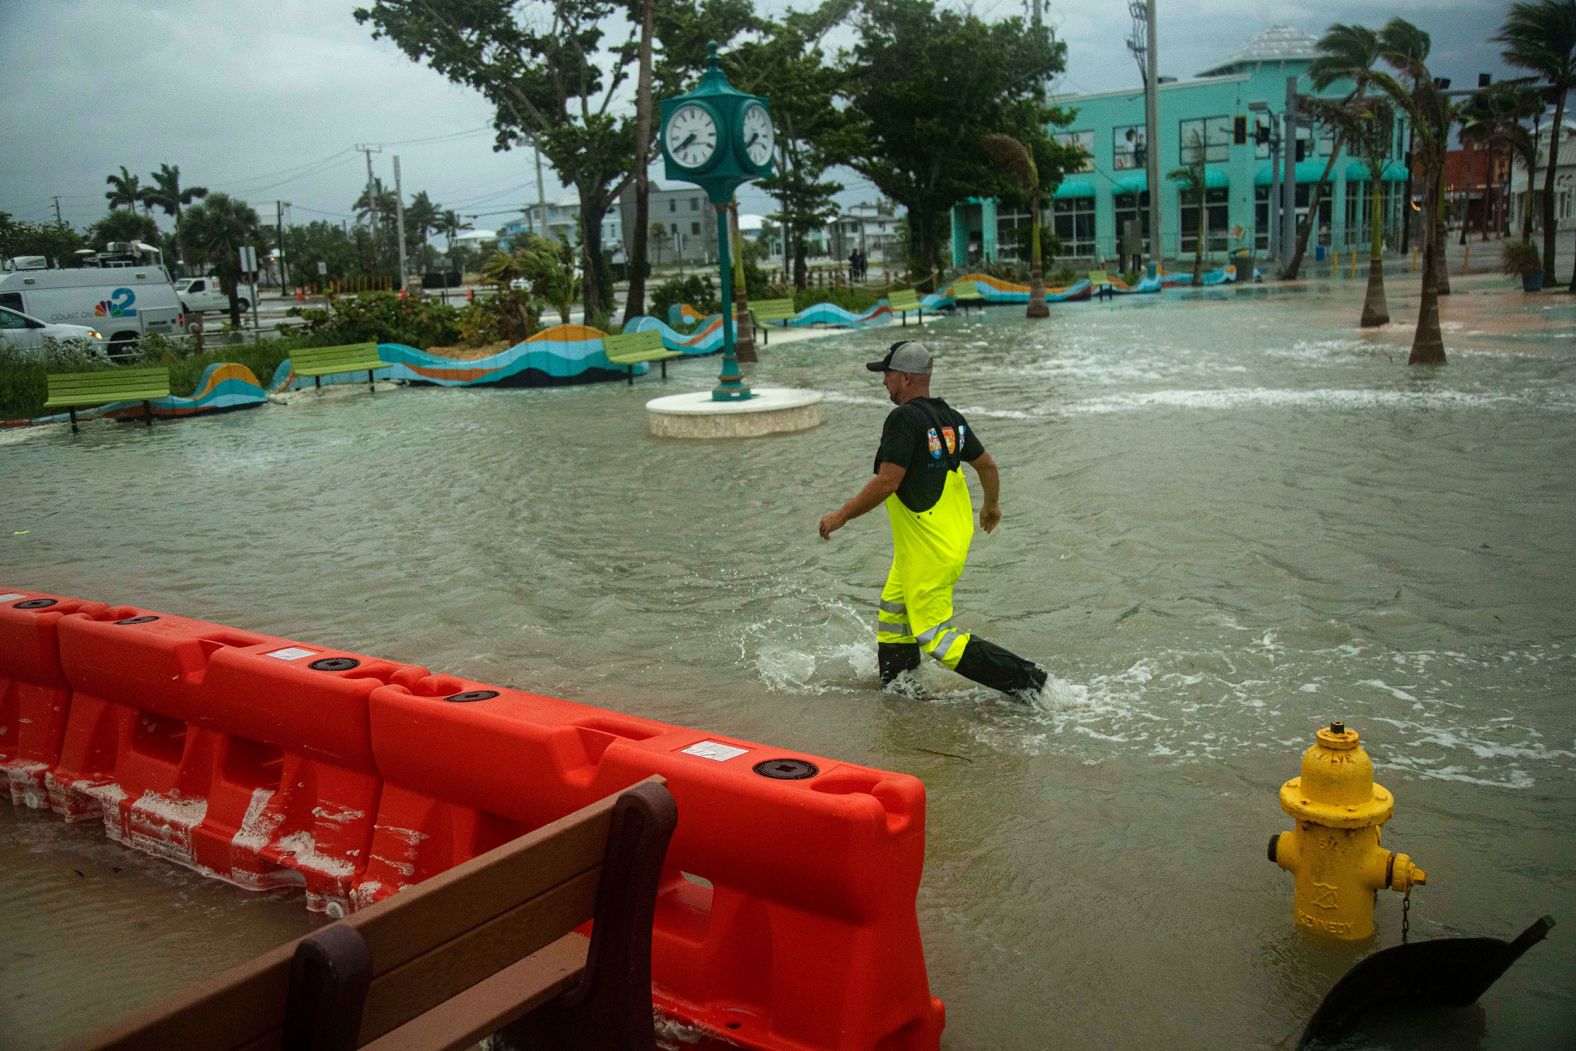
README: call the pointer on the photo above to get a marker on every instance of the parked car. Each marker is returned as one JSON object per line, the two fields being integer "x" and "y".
{"x": 28, "y": 334}
{"x": 198, "y": 294}
{"x": 122, "y": 297}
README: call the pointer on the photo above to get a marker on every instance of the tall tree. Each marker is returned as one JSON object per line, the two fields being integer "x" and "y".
{"x": 124, "y": 226}
{"x": 1014, "y": 158}
{"x": 167, "y": 194}
{"x": 451, "y": 225}
{"x": 1346, "y": 52}
{"x": 921, "y": 85}
{"x": 552, "y": 79}
{"x": 421, "y": 219}
{"x": 1367, "y": 126}
{"x": 214, "y": 232}
{"x": 1541, "y": 38}
{"x": 1190, "y": 177}
{"x": 1403, "y": 46}
{"x": 125, "y": 189}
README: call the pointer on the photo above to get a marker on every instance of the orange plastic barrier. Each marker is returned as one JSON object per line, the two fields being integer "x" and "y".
{"x": 787, "y": 916}
{"x": 242, "y": 755}
{"x": 34, "y": 694}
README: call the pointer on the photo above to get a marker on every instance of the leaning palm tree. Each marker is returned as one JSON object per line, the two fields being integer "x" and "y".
{"x": 1014, "y": 158}
{"x": 1346, "y": 52}
{"x": 167, "y": 194}
{"x": 450, "y": 225}
{"x": 1366, "y": 125}
{"x": 125, "y": 189}
{"x": 1191, "y": 178}
{"x": 1541, "y": 38}
{"x": 1402, "y": 46}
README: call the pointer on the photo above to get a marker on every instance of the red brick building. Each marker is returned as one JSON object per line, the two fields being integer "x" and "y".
{"x": 1475, "y": 179}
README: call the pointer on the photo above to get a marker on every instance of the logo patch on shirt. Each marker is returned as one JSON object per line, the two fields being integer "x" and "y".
{"x": 935, "y": 443}
{"x": 952, "y": 440}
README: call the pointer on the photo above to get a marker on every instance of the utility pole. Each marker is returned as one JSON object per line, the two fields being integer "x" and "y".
{"x": 399, "y": 221}
{"x": 1152, "y": 138}
{"x": 372, "y": 201}
{"x": 58, "y": 221}
{"x": 279, "y": 225}
{"x": 1288, "y": 240}
{"x": 541, "y": 194}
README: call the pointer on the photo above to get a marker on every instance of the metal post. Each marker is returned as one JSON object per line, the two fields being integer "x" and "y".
{"x": 1152, "y": 140}
{"x": 1274, "y": 217}
{"x": 399, "y": 221}
{"x": 541, "y": 194}
{"x": 730, "y": 382}
{"x": 279, "y": 225}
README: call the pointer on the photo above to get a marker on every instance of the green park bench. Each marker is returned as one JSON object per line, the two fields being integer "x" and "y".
{"x": 490, "y": 944}
{"x": 1100, "y": 284}
{"x": 903, "y": 301}
{"x": 318, "y": 362}
{"x": 764, "y": 310}
{"x": 79, "y": 390}
{"x": 966, "y": 294}
{"x": 633, "y": 348}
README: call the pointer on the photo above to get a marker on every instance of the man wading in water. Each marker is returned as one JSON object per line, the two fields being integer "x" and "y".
{"x": 919, "y": 476}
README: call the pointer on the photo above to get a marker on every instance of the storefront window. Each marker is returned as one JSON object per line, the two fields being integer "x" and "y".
{"x": 1216, "y": 210}
{"x": 1127, "y": 206}
{"x": 1072, "y": 220}
{"x": 1128, "y": 153}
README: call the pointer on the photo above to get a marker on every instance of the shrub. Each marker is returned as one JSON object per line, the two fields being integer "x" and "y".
{"x": 698, "y": 290}
{"x": 382, "y": 317}
{"x": 853, "y": 299}
{"x": 1520, "y": 257}
{"x": 24, "y": 384}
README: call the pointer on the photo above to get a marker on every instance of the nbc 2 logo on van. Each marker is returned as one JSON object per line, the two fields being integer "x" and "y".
{"x": 121, "y": 303}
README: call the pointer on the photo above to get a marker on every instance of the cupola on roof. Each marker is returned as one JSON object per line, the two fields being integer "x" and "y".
{"x": 1275, "y": 44}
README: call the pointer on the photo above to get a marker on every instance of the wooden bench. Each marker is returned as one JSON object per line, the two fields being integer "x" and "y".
{"x": 488, "y": 945}
{"x": 633, "y": 348}
{"x": 318, "y": 362}
{"x": 1100, "y": 284}
{"x": 78, "y": 390}
{"x": 764, "y": 310}
{"x": 966, "y": 294}
{"x": 903, "y": 301}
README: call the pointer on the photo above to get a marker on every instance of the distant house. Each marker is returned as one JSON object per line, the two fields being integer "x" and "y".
{"x": 562, "y": 224}
{"x": 1224, "y": 114}
{"x": 1564, "y": 182}
{"x": 681, "y": 225}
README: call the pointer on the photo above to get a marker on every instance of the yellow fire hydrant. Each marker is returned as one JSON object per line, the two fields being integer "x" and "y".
{"x": 1334, "y": 852}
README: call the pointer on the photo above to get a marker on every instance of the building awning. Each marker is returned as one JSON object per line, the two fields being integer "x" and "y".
{"x": 1130, "y": 182}
{"x": 1216, "y": 179}
{"x": 1395, "y": 171}
{"x": 1308, "y": 172}
{"x": 1074, "y": 187}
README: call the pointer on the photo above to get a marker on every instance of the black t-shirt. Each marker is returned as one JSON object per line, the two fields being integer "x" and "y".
{"x": 928, "y": 438}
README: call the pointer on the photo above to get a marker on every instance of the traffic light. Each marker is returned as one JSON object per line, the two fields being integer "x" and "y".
{"x": 1261, "y": 134}
{"x": 1302, "y": 147}
{"x": 1239, "y": 131}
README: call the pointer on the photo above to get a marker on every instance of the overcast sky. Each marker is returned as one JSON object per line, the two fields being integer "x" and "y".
{"x": 266, "y": 100}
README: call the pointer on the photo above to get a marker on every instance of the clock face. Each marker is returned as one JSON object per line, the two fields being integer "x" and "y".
{"x": 756, "y": 134}
{"x": 691, "y": 137}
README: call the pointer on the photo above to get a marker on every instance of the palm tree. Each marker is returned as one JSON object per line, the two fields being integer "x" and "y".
{"x": 1541, "y": 38}
{"x": 450, "y": 225}
{"x": 1190, "y": 177}
{"x": 1346, "y": 52}
{"x": 125, "y": 188}
{"x": 1366, "y": 125}
{"x": 1403, "y": 46}
{"x": 1014, "y": 158}
{"x": 166, "y": 192}
{"x": 214, "y": 232}
{"x": 421, "y": 218}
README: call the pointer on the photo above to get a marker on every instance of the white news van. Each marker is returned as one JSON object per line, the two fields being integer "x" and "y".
{"x": 118, "y": 293}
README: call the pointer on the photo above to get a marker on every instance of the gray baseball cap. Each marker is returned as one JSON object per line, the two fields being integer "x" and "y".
{"x": 906, "y": 355}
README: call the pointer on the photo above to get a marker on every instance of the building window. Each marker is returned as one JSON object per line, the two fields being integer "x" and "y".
{"x": 1261, "y": 218}
{"x": 1212, "y": 135}
{"x": 1127, "y": 150}
{"x": 1215, "y": 212}
{"x": 673, "y": 205}
{"x": 1125, "y": 206}
{"x": 1013, "y": 230}
{"x": 694, "y": 204}
{"x": 1083, "y": 140}
{"x": 1072, "y": 220}
{"x": 695, "y": 228}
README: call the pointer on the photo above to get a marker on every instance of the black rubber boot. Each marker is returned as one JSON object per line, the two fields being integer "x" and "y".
{"x": 990, "y": 665}
{"x": 895, "y": 658}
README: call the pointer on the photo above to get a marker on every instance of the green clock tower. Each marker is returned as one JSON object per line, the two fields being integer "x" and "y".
{"x": 718, "y": 138}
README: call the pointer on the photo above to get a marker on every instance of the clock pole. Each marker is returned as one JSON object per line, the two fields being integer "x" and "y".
{"x": 730, "y": 381}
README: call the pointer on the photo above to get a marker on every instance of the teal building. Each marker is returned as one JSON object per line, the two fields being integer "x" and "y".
{"x": 1220, "y": 112}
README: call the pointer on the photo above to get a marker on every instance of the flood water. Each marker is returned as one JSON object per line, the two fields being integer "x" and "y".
{"x": 1229, "y": 519}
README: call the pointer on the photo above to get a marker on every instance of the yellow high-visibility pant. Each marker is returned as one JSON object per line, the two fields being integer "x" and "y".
{"x": 928, "y": 552}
